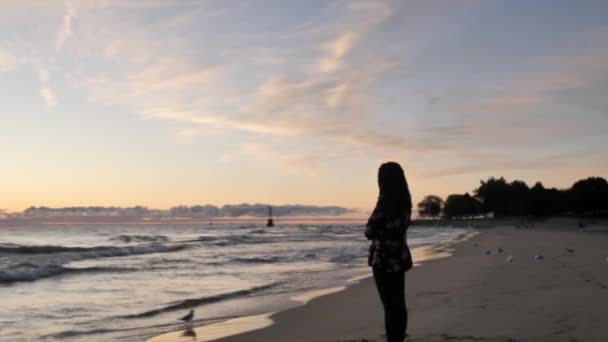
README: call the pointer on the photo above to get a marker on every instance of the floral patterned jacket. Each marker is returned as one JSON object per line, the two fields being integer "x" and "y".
{"x": 388, "y": 250}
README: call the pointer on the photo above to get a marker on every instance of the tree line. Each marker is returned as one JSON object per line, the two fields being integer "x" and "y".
{"x": 183, "y": 211}
{"x": 496, "y": 195}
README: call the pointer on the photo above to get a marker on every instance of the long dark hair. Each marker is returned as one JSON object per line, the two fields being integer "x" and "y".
{"x": 394, "y": 198}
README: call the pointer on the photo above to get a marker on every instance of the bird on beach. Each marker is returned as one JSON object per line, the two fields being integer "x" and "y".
{"x": 488, "y": 252}
{"x": 509, "y": 259}
{"x": 500, "y": 250}
{"x": 570, "y": 250}
{"x": 539, "y": 257}
{"x": 188, "y": 317}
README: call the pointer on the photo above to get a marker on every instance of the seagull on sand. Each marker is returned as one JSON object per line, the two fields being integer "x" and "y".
{"x": 188, "y": 317}
{"x": 570, "y": 250}
{"x": 509, "y": 259}
{"x": 500, "y": 250}
{"x": 539, "y": 257}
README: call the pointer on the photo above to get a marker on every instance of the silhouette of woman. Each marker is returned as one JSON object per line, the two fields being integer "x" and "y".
{"x": 389, "y": 255}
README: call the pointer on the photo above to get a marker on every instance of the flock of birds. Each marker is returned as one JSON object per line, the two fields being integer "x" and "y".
{"x": 537, "y": 257}
{"x": 510, "y": 258}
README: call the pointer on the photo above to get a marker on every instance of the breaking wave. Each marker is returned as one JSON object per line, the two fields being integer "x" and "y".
{"x": 32, "y": 272}
{"x": 30, "y": 263}
{"x": 194, "y": 302}
{"x": 91, "y": 252}
{"x": 139, "y": 238}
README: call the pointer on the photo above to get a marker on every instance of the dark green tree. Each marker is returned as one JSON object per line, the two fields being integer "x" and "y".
{"x": 518, "y": 193}
{"x": 457, "y": 206}
{"x": 546, "y": 202}
{"x": 430, "y": 206}
{"x": 590, "y": 195}
{"x": 493, "y": 195}
{"x": 537, "y": 203}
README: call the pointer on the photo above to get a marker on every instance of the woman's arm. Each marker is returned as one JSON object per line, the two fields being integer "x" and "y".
{"x": 375, "y": 226}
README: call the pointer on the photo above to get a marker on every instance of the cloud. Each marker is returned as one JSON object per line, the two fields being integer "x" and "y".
{"x": 556, "y": 103}
{"x": 336, "y": 95}
{"x": 300, "y": 98}
{"x": 555, "y": 77}
{"x": 168, "y": 87}
{"x": 295, "y": 162}
{"x": 338, "y": 99}
{"x": 177, "y": 90}
{"x": 65, "y": 32}
{"x": 501, "y": 162}
{"x": 8, "y": 61}
{"x": 43, "y": 75}
{"x": 336, "y": 50}
{"x": 48, "y": 96}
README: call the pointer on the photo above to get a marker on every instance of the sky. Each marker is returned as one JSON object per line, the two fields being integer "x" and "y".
{"x": 161, "y": 103}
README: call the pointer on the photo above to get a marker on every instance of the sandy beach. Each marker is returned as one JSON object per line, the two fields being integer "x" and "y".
{"x": 473, "y": 296}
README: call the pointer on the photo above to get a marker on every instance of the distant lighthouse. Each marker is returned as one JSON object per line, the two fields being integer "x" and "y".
{"x": 270, "y": 223}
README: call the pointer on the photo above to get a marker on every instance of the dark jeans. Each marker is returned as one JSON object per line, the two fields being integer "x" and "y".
{"x": 391, "y": 287}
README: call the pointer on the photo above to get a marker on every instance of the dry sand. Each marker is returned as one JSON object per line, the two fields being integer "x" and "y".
{"x": 472, "y": 296}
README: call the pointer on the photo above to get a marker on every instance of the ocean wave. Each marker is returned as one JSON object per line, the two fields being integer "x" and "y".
{"x": 257, "y": 231}
{"x": 139, "y": 238}
{"x": 41, "y": 249}
{"x": 99, "y": 251}
{"x": 264, "y": 259}
{"x": 349, "y": 254}
{"x": 205, "y": 238}
{"x": 30, "y": 263}
{"x": 343, "y": 258}
{"x": 31, "y": 272}
{"x": 76, "y": 333}
{"x": 257, "y": 260}
{"x": 136, "y": 331}
{"x": 260, "y": 236}
{"x": 194, "y": 302}
{"x": 242, "y": 240}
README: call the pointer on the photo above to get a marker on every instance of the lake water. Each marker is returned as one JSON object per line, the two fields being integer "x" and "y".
{"x": 127, "y": 283}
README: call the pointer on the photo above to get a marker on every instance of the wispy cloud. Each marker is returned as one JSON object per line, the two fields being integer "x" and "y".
{"x": 43, "y": 75}
{"x": 293, "y": 103}
{"x": 338, "y": 84}
{"x": 307, "y": 162}
{"x": 327, "y": 105}
{"x": 65, "y": 32}
{"x": 48, "y": 96}
{"x": 7, "y": 61}
{"x": 336, "y": 51}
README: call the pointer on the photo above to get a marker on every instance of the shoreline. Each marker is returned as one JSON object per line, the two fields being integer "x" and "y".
{"x": 474, "y": 296}
{"x": 241, "y": 325}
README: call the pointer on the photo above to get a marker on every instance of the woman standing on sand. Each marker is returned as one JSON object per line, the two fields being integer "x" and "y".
{"x": 389, "y": 255}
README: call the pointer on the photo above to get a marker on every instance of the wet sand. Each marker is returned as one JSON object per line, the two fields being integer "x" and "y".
{"x": 472, "y": 296}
